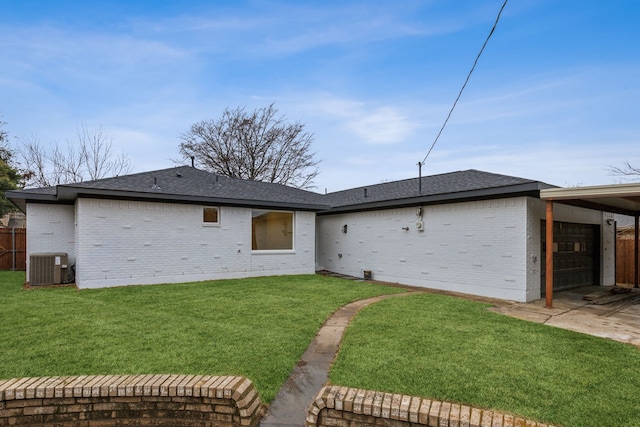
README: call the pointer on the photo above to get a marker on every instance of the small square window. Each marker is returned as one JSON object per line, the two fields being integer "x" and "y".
{"x": 210, "y": 215}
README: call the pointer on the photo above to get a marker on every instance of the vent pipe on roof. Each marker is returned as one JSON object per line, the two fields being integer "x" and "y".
{"x": 155, "y": 185}
{"x": 193, "y": 159}
{"x": 420, "y": 177}
{"x": 365, "y": 192}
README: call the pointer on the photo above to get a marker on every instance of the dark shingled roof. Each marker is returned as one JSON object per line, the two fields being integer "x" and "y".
{"x": 186, "y": 184}
{"x": 181, "y": 184}
{"x": 448, "y": 187}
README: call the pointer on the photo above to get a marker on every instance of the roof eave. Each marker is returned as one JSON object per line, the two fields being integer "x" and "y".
{"x": 20, "y": 199}
{"x": 70, "y": 193}
{"x": 529, "y": 189}
{"x": 615, "y": 198}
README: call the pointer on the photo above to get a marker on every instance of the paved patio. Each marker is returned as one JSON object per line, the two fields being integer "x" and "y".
{"x": 607, "y": 315}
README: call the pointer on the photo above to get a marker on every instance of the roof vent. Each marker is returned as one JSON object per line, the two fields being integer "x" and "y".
{"x": 155, "y": 185}
{"x": 179, "y": 175}
{"x": 365, "y": 192}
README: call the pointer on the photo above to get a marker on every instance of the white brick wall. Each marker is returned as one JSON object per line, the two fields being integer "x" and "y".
{"x": 133, "y": 242}
{"x": 50, "y": 228}
{"x": 489, "y": 248}
{"x": 534, "y": 251}
{"x": 474, "y": 247}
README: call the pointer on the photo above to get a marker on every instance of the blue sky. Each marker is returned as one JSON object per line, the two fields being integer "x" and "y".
{"x": 555, "y": 96}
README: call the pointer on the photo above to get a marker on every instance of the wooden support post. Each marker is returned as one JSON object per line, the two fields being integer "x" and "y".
{"x": 635, "y": 252}
{"x": 549, "y": 257}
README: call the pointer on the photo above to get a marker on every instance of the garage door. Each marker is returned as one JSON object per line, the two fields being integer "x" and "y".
{"x": 575, "y": 255}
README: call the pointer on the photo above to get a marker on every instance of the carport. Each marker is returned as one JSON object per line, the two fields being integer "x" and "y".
{"x": 616, "y": 198}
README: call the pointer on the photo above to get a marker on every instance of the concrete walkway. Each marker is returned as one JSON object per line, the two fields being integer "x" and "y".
{"x": 311, "y": 373}
{"x": 617, "y": 321}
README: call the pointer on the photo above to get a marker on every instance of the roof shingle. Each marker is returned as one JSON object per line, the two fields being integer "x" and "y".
{"x": 190, "y": 185}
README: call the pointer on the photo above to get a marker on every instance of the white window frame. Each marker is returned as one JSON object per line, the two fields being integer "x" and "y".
{"x": 210, "y": 223}
{"x": 292, "y": 233}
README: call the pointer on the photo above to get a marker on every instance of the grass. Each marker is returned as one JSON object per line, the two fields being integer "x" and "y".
{"x": 427, "y": 345}
{"x": 253, "y": 327}
{"x": 451, "y": 349}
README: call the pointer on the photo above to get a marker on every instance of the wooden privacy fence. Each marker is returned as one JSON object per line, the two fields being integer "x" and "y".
{"x": 13, "y": 249}
{"x": 624, "y": 260}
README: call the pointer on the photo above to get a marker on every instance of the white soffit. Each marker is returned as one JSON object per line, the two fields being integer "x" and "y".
{"x": 616, "y": 196}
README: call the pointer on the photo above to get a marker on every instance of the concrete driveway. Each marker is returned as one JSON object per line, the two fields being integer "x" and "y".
{"x": 604, "y": 313}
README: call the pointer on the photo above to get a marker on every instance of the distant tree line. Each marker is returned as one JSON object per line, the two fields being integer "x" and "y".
{"x": 257, "y": 145}
{"x": 87, "y": 157}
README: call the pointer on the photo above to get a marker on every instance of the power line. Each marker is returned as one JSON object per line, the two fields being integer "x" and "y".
{"x": 495, "y": 24}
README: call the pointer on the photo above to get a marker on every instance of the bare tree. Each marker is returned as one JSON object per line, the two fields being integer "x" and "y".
{"x": 10, "y": 176}
{"x": 626, "y": 170}
{"x": 90, "y": 157}
{"x": 259, "y": 146}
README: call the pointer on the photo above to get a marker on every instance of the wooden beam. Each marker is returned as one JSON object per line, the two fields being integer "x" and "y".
{"x": 549, "y": 260}
{"x": 635, "y": 260}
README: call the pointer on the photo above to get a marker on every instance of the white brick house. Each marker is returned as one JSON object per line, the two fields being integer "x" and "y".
{"x": 470, "y": 231}
{"x": 151, "y": 228}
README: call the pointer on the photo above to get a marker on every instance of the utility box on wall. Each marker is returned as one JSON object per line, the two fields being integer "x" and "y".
{"x": 48, "y": 268}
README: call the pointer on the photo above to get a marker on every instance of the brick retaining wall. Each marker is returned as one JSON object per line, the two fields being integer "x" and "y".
{"x": 108, "y": 400}
{"x": 344, "y": 407}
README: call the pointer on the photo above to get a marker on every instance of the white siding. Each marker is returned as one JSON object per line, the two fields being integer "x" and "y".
{"x": 473, "y": 247}
{"x": 50, "y": 228}
{"x": 134, "y": 242}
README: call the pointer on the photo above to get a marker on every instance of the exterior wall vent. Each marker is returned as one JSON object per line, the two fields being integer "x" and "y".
{"x": 48, "y": 268}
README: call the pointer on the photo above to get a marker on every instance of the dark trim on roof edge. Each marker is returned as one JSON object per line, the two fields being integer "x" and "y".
{"x": 67, "y": 195}
{"x": 529, "y": 189}
{"x": 21, "y": 202}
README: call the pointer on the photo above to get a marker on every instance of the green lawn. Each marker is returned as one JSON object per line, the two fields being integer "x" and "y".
{"x": 452, "y": 349}
{"x": 427, "y": 345}
{"x": 253, "y": 327}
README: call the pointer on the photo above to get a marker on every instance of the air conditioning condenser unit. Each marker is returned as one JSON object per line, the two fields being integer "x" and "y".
{"x": 48, "y": 268}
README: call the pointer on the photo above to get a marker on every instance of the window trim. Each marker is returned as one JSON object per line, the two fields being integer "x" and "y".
{"x": 211, "y": 223}
{"x": 292, "y": 232}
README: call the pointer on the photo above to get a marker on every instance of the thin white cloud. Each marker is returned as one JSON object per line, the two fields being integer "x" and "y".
{"x": 53, "y": 52}
{"x": 366, "y": 123}
{"x": 353, "y": 72}
{"x": 383, "y": 125}
{"x": 280, "y": 29}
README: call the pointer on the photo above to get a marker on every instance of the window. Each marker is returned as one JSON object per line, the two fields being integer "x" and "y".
{"x": 210, "y": 216}
{"x": 271, "y": 230}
